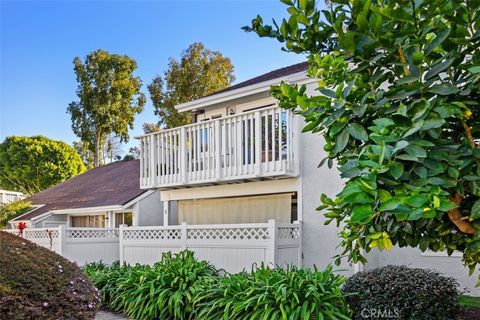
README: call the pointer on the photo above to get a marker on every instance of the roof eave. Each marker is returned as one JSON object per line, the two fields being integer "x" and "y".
{"x": 35, "y": 207}
{"x": 87, "y": 209}
{"x": 299, "y": 77}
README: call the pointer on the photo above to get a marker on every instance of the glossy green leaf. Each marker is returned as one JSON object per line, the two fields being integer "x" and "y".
{"x": 357, "y": 131}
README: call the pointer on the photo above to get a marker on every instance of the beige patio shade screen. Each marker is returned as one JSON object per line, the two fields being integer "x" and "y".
{"x": 88, "y": 221}
{"x": 254, "y": 209}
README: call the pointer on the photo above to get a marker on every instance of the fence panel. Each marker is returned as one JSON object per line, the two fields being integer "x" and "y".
{"x": 85, "y": 245}
{"x": 232, "y": 247}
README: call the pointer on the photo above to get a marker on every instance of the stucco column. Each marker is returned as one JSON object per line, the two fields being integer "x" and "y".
{"x": 165, "y": 212}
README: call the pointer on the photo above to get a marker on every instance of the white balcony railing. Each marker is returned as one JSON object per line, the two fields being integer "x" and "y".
{"x": 10, "y": 196}
{"x": 256, "y": 144}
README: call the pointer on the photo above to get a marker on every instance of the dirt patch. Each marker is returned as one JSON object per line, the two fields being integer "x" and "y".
{"x": 469, "y": 314}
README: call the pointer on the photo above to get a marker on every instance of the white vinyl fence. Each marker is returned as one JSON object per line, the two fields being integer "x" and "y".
{"x": 231, "y": 247}
{"x": 80, "y": 245}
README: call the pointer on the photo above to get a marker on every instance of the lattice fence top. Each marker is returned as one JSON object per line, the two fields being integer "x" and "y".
{"x": 90, "y": 233}
{"x": 40, "y": 234}
{"x": 288, "y": 232}
{"x": 166, "y": 234}
{"x": 228, "y": 234}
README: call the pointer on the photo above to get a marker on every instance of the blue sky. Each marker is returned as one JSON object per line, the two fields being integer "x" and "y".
{"x": 39, "y": 40}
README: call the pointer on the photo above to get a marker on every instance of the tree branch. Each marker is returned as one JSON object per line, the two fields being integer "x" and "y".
{"x": 403, "y": 60}
{"x": 468, "y": 131}
{"x": 458, "y": 219}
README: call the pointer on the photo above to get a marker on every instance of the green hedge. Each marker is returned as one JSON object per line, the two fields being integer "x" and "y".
{"x": 402, "y": 293}
{"x": 181, "y": 287}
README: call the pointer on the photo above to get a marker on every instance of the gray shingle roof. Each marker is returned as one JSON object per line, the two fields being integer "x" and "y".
{"x": 112, "y": 184}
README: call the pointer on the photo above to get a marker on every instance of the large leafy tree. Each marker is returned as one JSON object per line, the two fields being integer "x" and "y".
{"x": 399, "y": 85}
{"x": 109, "y": 98}
{"x": 199, "y": 72}
{"x": 31, "y": 164}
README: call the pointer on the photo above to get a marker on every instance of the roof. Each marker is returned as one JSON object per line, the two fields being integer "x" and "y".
{"x": 268, "y": 79}
{"x": 278, "y": 73}
{"x": 112, "y": 184}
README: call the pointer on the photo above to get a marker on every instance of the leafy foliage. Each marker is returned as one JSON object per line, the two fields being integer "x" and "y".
{"x": 36, "y": 283}
{"x": 398, "y": 108}
{"x": 407, "y": 293}
{"x": 180, "y": 287}
{"x": 199, "y": 72}
{"x": 12, "y": 210}
{"x": 109, "y": 98}
{"x": 266, "y": 293}
{"x": 149, "y": 127}
{"x": 32, "y": 164}
{"x": 133, "y": 153}
{"x": 162, "y": 291}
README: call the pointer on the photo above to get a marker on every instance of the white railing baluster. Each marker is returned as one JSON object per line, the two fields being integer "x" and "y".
{"x": 280, "y": 145}
{"x": 251, "y": 140}
{"x": 265, "y": 140}
{"x": 273, "y": 139}
{"x": 182, "y": 152}
{"x": 152, "y": 160}
{"x": 258, "y": 143}
{"x": 222, "y": 152}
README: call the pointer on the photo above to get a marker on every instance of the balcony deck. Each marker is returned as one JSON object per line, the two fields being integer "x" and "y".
{"x": 254, "y": 145}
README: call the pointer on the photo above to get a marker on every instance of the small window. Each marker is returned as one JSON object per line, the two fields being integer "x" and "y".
{"x": 123, "y": 218}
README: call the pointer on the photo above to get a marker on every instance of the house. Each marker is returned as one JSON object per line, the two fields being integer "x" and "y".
{"x": 9, "y": 196}
{"x": 240, "y": 185}
{"x": 245, "y": 160}
{"x": 103, "y": 197}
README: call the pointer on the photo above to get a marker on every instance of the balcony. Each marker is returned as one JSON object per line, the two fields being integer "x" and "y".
{"x": 254, "y": 145}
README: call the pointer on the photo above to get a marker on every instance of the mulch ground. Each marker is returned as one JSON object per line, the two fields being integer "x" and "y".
{"x": 469, "y": 314}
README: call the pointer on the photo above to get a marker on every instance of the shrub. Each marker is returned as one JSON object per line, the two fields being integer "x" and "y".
{"x": 265, "y": 293}
{"x": 406, "y": 293}
{"x": 180, "y": 287}
{"x": 36, "y": 283}
{"x": 162, "y": 291}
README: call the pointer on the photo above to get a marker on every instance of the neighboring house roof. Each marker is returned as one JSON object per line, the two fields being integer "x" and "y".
{"x": 112, "y": 184}
{"x": 259, "y": 83}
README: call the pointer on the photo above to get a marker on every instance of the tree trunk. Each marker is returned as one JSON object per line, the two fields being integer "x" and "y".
{"x": 96, "y": 156}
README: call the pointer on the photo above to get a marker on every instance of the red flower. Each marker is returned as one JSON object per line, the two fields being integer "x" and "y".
{"x": 21, "y": 226}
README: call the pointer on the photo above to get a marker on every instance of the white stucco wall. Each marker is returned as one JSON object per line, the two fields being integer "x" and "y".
{"x": 319, "y": 240}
